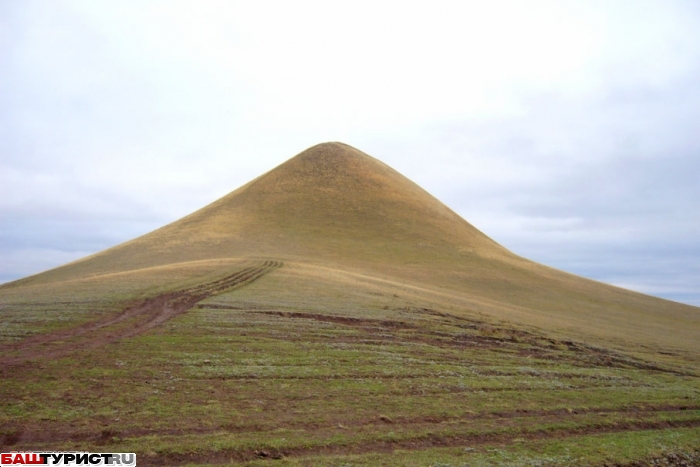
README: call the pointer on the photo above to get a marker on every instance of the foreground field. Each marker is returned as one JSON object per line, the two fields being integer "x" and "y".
{"x": 276, "y": 365}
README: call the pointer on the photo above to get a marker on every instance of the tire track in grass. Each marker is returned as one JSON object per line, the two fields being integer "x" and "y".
{"x": 148, "y": 314}
{"x": 44, "y": 433}
{"x": 417, "y": 443}
{"x": 579, "y": 353}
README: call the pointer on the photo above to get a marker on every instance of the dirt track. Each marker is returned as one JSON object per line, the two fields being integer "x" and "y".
{"x": 133, "y": 321}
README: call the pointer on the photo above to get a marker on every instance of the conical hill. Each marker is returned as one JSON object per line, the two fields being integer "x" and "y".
{"x": 331, "y": 202}
{"x": 334, "y": 210}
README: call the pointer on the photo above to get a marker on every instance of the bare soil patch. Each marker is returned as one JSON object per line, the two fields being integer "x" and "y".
{"x": 133, "y": 321}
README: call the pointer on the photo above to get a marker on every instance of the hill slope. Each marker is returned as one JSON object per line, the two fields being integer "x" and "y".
{"x": 331, "y": 312}
{"x": 337, "y": 207}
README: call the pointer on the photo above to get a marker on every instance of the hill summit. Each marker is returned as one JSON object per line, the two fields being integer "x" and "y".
{"x": 330, "y": 202}
{"x": 325, "y": 197}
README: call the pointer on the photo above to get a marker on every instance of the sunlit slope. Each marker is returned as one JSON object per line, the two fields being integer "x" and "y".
{"x": 335, "y": 207}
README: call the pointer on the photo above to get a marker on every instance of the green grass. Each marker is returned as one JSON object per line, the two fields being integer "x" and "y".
{"x": 368, "y": 381}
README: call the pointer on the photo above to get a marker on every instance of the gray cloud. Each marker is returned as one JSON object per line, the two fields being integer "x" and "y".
{"x": 566, "y": 133}
{"x": 606, "y": 188}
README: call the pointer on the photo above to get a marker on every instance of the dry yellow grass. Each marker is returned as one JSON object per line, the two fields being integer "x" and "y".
{"x": 338, "y": 215}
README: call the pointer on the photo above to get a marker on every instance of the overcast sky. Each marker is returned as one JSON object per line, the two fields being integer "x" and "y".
{"x": 567, "y": 131}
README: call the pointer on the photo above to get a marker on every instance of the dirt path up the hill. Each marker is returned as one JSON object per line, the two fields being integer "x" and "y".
{"x": 133, "y": 321}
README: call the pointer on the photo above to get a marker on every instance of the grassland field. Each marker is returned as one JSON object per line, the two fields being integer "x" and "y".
{"x": 308, "y": 366}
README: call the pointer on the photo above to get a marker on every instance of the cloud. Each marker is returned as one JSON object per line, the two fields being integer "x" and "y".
{"x": 605, "y": 187}
{"x": 563, "y": 130}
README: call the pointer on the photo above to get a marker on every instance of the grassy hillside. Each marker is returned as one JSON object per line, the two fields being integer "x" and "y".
{"x": 331, "y": 312}
{"x": 337, "y": 207}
